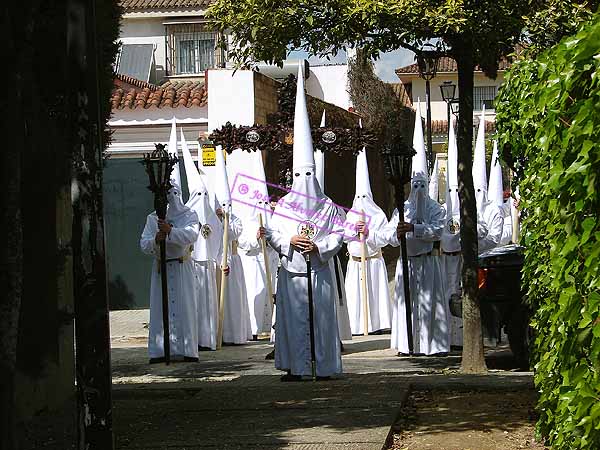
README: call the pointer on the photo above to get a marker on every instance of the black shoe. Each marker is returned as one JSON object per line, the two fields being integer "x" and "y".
{"x": 204, "y": 349}
{"x": 341, "y": 346}
{"x": 189, "y": 359}
{"x": 323, "y": 378}
{"x": 289, "y": 377}
{"x": 255, "y": 337}
{"x": 270, "y": 355}
{"x": 456, "y": 348}
{"x": 162, "y": 359}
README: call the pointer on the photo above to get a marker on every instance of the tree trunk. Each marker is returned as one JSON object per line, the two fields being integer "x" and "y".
{"x": 473, "y": 360}
{"x": 11, "y": 250}
{"x": 91, "y": 303}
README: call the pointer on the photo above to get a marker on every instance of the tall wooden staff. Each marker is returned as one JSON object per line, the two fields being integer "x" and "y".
{"x": 263, "y": 244}
{"x": 514, "y": 212}
{"x": 363, "y": 277}
{"x": 224, "y": 277}
{"x": 397, "y": 162}
{"x": 159, "y": 165}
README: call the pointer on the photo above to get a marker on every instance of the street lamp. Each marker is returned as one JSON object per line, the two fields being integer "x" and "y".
{"x": 448, "y": 90}
{"x": 159, "y": 165}
{"x": 427, "y": 61}
{"x": 397, "y": 163}
{"x": 454, "y": 107}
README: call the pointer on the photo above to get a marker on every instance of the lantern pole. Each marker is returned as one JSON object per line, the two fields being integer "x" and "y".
{"x": 397, "y": 165}
{"x": 159, "y": 165}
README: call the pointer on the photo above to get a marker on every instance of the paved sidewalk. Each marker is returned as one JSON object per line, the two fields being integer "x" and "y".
{"x": 233, "y": 399}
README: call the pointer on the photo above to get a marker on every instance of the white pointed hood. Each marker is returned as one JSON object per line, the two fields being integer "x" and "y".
{"x": 434, "y": 183}
{"x": 419, "y": 160}
{"x": 172, "y": 149}
{"x": 363, "y": 201}
{"x": 208, "y": 243}
{"x": 450, "y": 241}
{"x": 175, "y": 207}
{"x": 495, "y": 188}
{"x": 479, "y": 167}
{"x": 305, "y": 201}
{"x": 320, "y": 161}
{"x": 222, "y": 190}
{"x": 303, "y": 156}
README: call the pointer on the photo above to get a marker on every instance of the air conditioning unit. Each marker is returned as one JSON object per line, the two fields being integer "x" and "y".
{"x": 289, "y": 67}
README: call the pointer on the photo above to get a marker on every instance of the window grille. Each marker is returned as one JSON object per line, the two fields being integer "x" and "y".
{"x": 191, "y": 48}
{"x": 484, "y": 95}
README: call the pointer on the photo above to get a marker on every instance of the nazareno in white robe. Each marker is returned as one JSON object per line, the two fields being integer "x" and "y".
{"x": 236, "y": 323}
{"x": 380, "y": 306}
{"x": 255, "y": 276}
{"x": 183, "y": 328}
{"x": 429, "y": 309}
{"x": 292, "y": 343}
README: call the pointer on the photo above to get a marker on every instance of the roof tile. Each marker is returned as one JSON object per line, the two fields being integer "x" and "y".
{"x": 130, "y": 93}
{"x": 144, "y": 5}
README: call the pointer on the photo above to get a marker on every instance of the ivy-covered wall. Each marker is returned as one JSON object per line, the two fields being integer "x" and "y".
{"x": 549, "y": 126}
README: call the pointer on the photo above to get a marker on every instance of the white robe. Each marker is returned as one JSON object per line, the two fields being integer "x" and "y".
{"x": 208, "y": 303}
{"x": 492, "y": 218}
{"x": 507, "y": 230}
{"x": 252, "y": 258}
{"x": 236, "y": 322}
{"x": 292, "y": 346}
{"x": 452, "y": 272}
{"x": 183, "y": 328}
{"x": 341, "y": 301}
{"x": 380, "y": 306}
{"x": 430, "y": 311}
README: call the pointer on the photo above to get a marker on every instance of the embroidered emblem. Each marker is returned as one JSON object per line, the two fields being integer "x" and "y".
{"x": 307, "y": 229}
{"x": 453, "y": 226}
{"x": 205, "y": 231}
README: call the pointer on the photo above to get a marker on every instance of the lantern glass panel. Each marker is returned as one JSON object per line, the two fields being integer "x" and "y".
{"x": 448, "y": 90}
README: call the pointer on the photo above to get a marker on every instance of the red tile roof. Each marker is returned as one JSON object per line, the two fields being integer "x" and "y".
{"x": 130, "y": 93}
{"x": 446, "y": 65}
{"x": 161, "y": 5}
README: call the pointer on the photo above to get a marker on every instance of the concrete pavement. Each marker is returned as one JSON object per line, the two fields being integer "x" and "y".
{"x": 233, "y": 399}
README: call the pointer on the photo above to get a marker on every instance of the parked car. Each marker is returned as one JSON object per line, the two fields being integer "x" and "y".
{"x": 501, "y": 300}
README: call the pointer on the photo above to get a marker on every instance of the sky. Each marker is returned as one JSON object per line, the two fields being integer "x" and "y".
{"x": 384, "y": 66}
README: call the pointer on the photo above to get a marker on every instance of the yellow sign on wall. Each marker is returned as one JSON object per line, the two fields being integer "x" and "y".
{"x": 209, "y": 155}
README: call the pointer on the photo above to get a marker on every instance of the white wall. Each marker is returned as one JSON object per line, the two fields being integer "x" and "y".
{"x": 231, "y": 99}
{"x": 147, "y": 31}
{"x": 330, "y": 83}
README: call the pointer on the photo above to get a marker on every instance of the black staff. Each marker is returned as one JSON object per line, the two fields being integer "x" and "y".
{"x": 397, "y": 164}
{"x": 159, "y": 165}
{"x": 307, "y": 229}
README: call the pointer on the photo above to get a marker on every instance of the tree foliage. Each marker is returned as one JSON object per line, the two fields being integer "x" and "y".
{"x": 547, "y": 115}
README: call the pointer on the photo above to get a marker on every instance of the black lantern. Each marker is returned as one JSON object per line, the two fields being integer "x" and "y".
{"x": 397, "y": 163}
{"x": 159, "y": 165}
{"x": 427, "y": 61}
{"x": 448, "y": 90}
